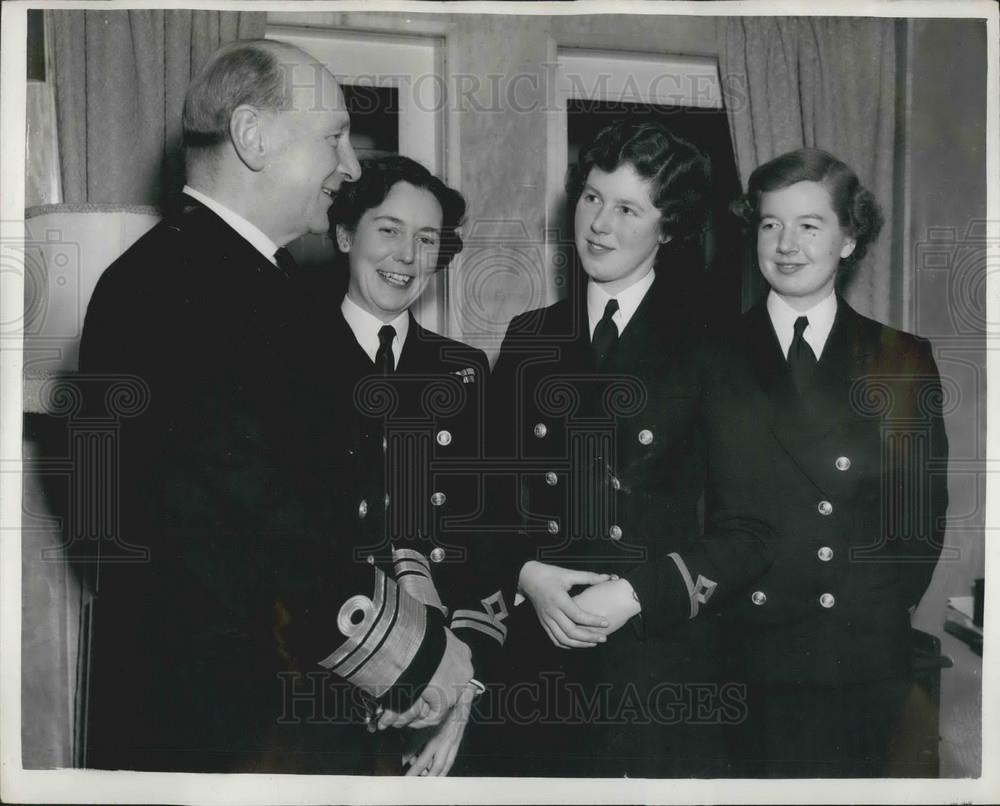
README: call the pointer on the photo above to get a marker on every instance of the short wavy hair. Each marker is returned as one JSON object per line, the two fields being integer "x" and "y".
{"x": 857, "y": 209}
{"x": 378, "y": 176}
{"x": 679, "y": 172}
{"x": 243, "y": 72}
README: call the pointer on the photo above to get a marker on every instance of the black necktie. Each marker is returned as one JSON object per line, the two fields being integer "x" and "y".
{"x": 801, "y": 358}
{"x": 286, "y": 263}
{"x": 605, "y": 333}
{"x": 383, "y": 357}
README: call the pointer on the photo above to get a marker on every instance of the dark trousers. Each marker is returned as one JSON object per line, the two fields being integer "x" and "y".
{"x": 802, "y": 731}
{"x": 645, "y": 710}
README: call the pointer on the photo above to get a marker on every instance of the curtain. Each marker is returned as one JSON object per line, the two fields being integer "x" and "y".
{"x": 825, "y": 83}
{"x": 120, "y": 78}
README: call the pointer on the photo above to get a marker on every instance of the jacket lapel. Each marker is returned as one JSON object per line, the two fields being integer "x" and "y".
{"x": 843, "y": 358}
{"x": 765, "y": 357}
{"x": 800, "y": 424}
{"x": 411, "y": 359}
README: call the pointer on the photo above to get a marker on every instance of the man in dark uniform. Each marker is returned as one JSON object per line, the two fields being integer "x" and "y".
{"x": 603, "y": 392}
{"x": 242, "y": 589}
{"x": 828, "y": 425}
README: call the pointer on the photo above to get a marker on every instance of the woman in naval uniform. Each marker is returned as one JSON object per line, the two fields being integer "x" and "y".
{"x": 393, "y": 460}
{"x": 828, "y": 425}
{"x": 598, "y": 410}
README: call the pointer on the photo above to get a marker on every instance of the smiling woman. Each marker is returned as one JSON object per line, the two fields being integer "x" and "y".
{"x": 396, "y": 227}
{"x": 402, "y": 406}
{"x": 595, "y": 403}
{"x": 855, "y": 490}
{"x": 393, "y": 251}
{"x": 814, "y": 221}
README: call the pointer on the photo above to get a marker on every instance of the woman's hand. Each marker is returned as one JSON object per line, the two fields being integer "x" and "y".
{"x": 567, "y": 624}
{"x": 615, "y": 600}
{"x": 437, "y": 755}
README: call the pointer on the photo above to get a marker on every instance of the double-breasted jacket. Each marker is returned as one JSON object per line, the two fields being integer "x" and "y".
{"x": 397, "y": 470}
{"x": 851, "y": 474}
{"x": 604, "y": 471}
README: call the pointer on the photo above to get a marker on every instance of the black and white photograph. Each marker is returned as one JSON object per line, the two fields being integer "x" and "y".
{"x": 567, "y": 402}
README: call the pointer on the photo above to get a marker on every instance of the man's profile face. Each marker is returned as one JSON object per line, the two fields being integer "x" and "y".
{"x": 311, "y": 152}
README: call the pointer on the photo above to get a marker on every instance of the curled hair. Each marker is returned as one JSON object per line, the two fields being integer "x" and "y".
{"x": 680, "y": 174}
{"x": 857, "y": 210}
{"x": 378, "y": 176}
{"x": 242, "y": 72}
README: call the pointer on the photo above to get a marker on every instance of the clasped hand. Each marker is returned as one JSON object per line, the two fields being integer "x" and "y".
{"x": 567, "y": 624}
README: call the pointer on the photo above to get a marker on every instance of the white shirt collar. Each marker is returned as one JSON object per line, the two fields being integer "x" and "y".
{"x": 820, "y": 316}
{"x": 257, "y": 239}
{"x": 628, "y": 301}
{"x": 366, "y": 327}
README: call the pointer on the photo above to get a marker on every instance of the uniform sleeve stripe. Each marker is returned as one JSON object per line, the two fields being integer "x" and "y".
{"x": 421, "y": 588}
{"x": 480, "y": 618}
{"x": 356, "y": 649}
{"x": 402, "y": 555}
{"x": 688, "y": 582}
{"x": 359, "y": 662}
{"x": 411, "y": 573}
{"x": 408, "y": 567}
{"x": 486, "y": 629}
{"x": 401, "y": 643}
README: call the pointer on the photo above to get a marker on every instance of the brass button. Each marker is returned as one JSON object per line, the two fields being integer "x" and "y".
{"x": 437, "y": 555}
{"x": 615, "y": 483}
{"x": 438, "y": 499}
{"x": 362, "y": 508}
{"x": 758, "y": 597}
{"x": 843, "y": 463}
{"x": 371, "y": 559}
{"x": 551, "y": 479}
{"x": 615, "y": 532}
{"x": 646, "y": 436}
{"x": 553, "y": 527}
{"x": 541, "y": 430}
{"x": 827, "y": 600}
{"x": 444, "y": 437}
{"x": 825, "y": 508}
{"x": 825, "y": 554}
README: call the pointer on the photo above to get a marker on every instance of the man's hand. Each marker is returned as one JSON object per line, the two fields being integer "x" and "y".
{"x": 441, "y": 693}
{"x": 615, "y": 600}
{"x": 438, "y": 754}
{"x": 568, "y": 624}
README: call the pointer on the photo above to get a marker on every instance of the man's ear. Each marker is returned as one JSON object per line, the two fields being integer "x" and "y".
{"x": 248, "y": 132}
{"x": 344, "y": 239}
